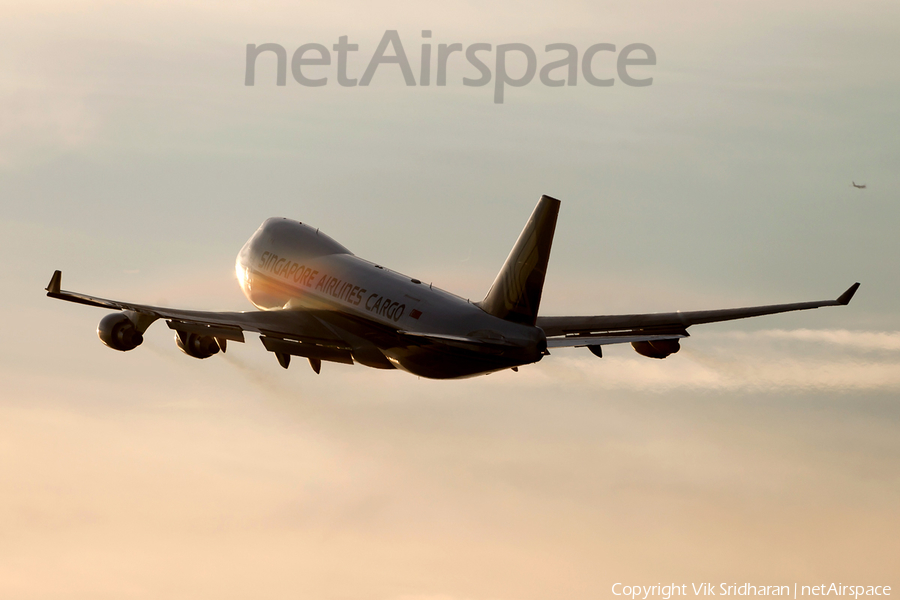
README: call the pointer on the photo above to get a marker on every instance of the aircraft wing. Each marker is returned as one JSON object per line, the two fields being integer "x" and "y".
{"x": 283, "y": 331}
{"x": 618, "y": 329}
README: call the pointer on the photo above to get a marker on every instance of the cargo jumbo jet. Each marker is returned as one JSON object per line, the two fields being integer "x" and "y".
{"x": 319, "y": 301}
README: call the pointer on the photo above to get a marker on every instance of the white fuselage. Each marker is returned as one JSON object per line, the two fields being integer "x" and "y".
{"x": 289, "y": 265}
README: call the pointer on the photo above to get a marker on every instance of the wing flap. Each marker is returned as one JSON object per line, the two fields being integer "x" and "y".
{"x": 226, "y": 332}
{"x": 577, "y": 341}
{"x": 307, "y": 350}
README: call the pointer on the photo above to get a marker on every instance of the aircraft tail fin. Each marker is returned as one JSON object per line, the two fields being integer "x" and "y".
{"x": 516, "y": 292}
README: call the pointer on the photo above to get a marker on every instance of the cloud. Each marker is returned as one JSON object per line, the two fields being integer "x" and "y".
{"x": 861, "y": 340}
{"x": 768, "y": 361}
{"x": 233, "y": 478}
{"x": 39, "y": 120}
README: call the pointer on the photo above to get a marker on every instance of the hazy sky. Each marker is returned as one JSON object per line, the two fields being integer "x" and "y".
{"x": 134, "y": 158}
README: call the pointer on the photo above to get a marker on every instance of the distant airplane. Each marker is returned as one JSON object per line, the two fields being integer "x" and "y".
{"x": 862, "y": 187}
{"x": 321, "y": 302}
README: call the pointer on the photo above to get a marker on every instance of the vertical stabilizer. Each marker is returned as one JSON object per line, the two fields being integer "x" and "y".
{"x": 516, "y": 292}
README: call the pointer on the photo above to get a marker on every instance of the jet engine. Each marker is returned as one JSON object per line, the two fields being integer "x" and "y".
{"x": 196, "y": 345}
{"x": 118, "y": 332}
{"x": 657, "y": 348}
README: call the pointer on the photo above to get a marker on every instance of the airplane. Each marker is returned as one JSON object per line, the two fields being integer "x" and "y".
{"x": 861, "y": 187}
{"x": 319, "y": 301}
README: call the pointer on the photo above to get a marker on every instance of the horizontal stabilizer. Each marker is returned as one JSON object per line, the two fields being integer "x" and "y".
{"x": 440, "y": 337}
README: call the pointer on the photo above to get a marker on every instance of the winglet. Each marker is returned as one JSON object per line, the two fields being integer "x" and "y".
{"x": 845, "y": 298}
{"x": 55, "y": 283}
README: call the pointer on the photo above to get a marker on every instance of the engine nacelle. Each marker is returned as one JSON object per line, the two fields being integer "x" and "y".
{"x": 657, "y": 348}
{"x": 118, "y": 332}
{"x": 196, "y": 345}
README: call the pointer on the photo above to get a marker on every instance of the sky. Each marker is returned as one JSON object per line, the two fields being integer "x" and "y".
{"x": 134, "y": 158}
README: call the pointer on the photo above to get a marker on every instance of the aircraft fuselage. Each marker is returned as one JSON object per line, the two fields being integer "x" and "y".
{"x": 289, "y": 265}
{"x": 320, "y": 302}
